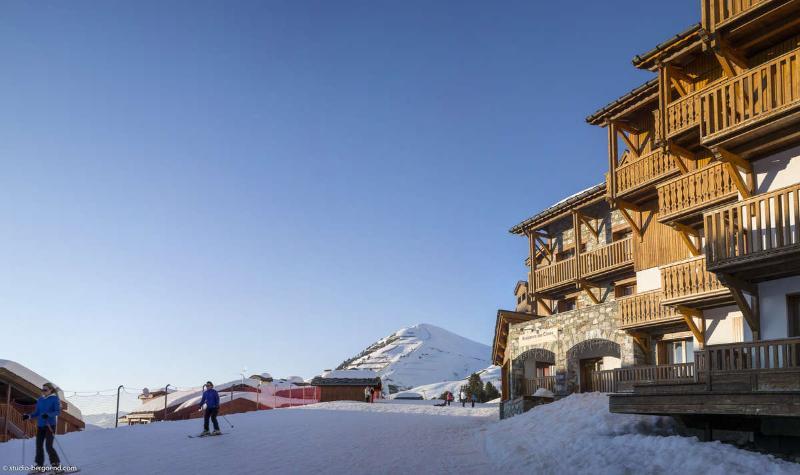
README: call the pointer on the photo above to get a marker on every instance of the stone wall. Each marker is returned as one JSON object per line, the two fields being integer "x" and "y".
{"x": 583, "y": 333}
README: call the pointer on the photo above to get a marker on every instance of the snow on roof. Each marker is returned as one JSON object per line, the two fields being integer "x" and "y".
{"x": 407, "y": 395}
{"x": 559, "y": 206}
{"x": 223, "y": 398}
{"x": 350, "y": 374}
{"x": 157, "y": 403}
{"x": 38, "y": 380}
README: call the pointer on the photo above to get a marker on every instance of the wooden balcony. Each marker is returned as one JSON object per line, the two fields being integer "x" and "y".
{"x": 767, "y": 365}
{"x": 624, "y": 379}
{"x": 683, "y": 115}
{"x": 606, "y": 259}
{"x": 644, "y": 310}
{"x": 689, "y": 282}
{"x": 716, "y": 13}
{"x": 639, "y": 173}
{"x": 756, "y": 238}
{"x": 684, "y": 198}
{"x": 602, "y": 261}
{"x": 752, "y": 105}
{"x": 555, "y": 275}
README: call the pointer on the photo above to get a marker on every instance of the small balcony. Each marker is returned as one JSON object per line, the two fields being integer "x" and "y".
{"x": 716, "y": 13}
{"x": 750, "y": 23}
{"x": 601, "y": 261}
{"x": 683, "y": 115}
{"x": 644, "y": 310}
{"x": 756, "y": 238}
{"x": 689, "y": 282}
{"x": 639, "y": 173}
{"x": 683, "y": 198}
{"x": 752, "y": 105}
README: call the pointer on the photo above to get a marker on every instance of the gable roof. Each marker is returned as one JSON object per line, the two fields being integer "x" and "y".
{"x": 588, "y": 195}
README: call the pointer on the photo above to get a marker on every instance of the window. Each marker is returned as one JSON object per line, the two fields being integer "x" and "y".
{"x": 621, "y": 234}
{"x": 565, "y": 305}
{"x": 793, "y": 313}
{"x": 624, "y": 290}
{"x": 680, "y": 351}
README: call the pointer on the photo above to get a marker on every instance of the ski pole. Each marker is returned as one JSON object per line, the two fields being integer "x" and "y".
{"x": 61, "y": 449}
{"x": 229, "y": 422}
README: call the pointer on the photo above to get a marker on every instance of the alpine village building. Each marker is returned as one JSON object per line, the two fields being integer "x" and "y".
{"x": 675, "y": 284}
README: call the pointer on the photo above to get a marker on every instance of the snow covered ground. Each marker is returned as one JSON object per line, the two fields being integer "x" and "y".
{"x": 575, "y": 435}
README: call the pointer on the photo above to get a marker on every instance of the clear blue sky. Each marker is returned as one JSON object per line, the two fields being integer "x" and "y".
{"x": 192, "y": 187}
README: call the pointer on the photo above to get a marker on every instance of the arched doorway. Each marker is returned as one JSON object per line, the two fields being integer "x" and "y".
{"x": 588, "y": 358}
{"x": 533, "y": 369}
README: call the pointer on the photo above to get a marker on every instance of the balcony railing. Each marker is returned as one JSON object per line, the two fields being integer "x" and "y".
{"x": 606, "y": 257}
{"x": 689, "y": 280}
{"x": 717, "y": 12}
{"x": 556, "y": 274}
{"x": 644, "y": 170}
{"x": 689, "y": 193}
{"x": 644, "y": 309}
{"x": 625, "y": 378}
{"x": 533, "y": 384}
{"x": 683, "y": 114}
{"x": 753, "y": 96}
{"x": 18, "y": 427}
{"x": 767, "y": 365}
{"x": 765, "y": 225}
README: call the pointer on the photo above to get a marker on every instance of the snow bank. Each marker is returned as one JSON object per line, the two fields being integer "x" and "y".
{"x": 579, "y": 435}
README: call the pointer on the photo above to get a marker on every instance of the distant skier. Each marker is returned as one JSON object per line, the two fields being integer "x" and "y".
{"x": 368, "y": 394}
{"x": 449, "y": 397}
{"x": 48, "y": 408}
{"x": 462, "y": 396}
{"x": 474, "y": 399}
{"x": 211, "y": 400}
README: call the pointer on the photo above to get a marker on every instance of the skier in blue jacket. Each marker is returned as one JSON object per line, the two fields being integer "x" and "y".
{"x": 48, "y": 408}
{"x": 211, "y": 400}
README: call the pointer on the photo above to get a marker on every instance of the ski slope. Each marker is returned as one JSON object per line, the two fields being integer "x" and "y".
{"x": 575, "y": 435}
{"x": 491, "y": 374}
{"x": 422, "y": 354}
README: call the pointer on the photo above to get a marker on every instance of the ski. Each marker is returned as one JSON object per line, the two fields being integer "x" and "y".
{"x": 200, "y": 436}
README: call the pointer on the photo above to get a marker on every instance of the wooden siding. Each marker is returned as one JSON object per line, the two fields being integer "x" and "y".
{"x": 341, "y": 393}
{"x": 659, "y": 245}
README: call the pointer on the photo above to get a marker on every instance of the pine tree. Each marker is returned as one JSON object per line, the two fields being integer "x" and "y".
{"x": 490, "y": 392}
{"x": 475, "y": 386}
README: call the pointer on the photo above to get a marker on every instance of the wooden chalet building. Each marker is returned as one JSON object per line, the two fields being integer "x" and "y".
{"x": 20, "y": 388}
{"x": 703, "y": 187}
{"x": 346, "y": 385}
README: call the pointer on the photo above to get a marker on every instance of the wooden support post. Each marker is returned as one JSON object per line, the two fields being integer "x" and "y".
{"x": 643, "y": 342}
{"x": 532, "y": 267}
{"x": 688, "y": 315}
{"x": 745, "y": 185}
{"x": 729, "y": 58}
{"x": 664, "y": 98}
{"x": 750, "y": 312}
{"x": 625, "y": 208}
{"x": 587, "y": 288}
{"x": 540, "y": 301}
{"x": 613, "y": 157}
{"x": 8, "y": 413}
{"x": 686, "y": 231}
{"x": 680, "y": 155}
{"x": 585, "y": 220}
{"x": 576, "y": 233}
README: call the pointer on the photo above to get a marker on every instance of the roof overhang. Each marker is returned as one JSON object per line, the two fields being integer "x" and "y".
{"x": 504, "y": 319}
{"x": 680, "y": 44}
{"x": 561, "y": 209}
{"x": 630, "y": 102}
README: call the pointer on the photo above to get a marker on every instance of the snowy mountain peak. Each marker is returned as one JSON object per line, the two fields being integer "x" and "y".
{"x": 421, "y": 354}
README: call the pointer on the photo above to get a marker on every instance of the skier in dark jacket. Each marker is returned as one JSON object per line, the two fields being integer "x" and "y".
{"x": 474, "y": 399}
{"x": 48, "y": 408}
{"x": 211, "y": 400}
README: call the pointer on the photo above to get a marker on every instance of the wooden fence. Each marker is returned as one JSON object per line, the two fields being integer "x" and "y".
{"x": 532, "y": 384}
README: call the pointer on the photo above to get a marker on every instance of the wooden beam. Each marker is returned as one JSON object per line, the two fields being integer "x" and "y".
{"x": 625, "y": 208}
{"x": 684, "y": 232}
{"x": 730, "y": 281}
{"x": 729, "y": 58}
{"x": 735, "y": 162}
{"x": 642, "y": 341}
{"x": 631, "y": 148}
{"x": 678, "y": 86}
{"x": 585, "y": 220}
{"x": 747, "y": 312}
{"x": 676, "y": 72}
{"x": 688, "y": 314}
{"x": 626, "y": 127}
{"x": 588, "y": 290}
{"x": 730, "y": 157}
